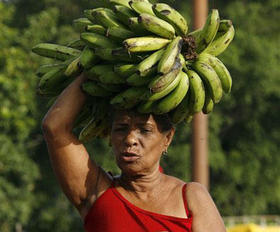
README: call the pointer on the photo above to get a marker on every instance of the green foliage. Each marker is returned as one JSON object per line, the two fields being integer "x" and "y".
{"x": 18, "y": 171}
{"x": 244, "y": 130}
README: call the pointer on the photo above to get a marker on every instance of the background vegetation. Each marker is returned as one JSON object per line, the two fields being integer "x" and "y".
{"x": 244, "y": 128}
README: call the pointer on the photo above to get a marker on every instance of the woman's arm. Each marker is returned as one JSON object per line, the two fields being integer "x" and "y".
{"x": 76, "y": 172}
{"x": 206, "y": 216}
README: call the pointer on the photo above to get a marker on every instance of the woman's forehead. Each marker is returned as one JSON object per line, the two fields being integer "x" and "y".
{"x": 129, "y": 116}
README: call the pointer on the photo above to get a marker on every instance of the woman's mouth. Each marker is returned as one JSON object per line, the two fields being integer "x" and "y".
{"x": 129, "y": 157}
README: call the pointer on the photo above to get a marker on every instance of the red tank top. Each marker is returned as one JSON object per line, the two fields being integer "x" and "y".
{"x": 111, "y": 212}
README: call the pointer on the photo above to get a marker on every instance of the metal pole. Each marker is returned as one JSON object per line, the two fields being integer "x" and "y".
{"x": 200, "y": 167}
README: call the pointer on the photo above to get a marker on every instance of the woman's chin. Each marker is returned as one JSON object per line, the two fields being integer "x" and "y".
{"x": 130, "y": 167}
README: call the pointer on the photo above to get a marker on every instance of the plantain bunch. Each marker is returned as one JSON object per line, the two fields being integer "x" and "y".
{"x": 139, "y": 55}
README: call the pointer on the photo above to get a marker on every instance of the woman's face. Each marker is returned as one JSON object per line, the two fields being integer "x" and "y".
{"x": 137, "y": 142}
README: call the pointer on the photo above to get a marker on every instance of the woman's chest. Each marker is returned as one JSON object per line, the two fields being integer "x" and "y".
{"x": 116, "y": 214}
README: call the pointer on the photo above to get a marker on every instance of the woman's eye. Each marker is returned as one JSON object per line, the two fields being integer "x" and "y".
{"x": 146, "y": 130}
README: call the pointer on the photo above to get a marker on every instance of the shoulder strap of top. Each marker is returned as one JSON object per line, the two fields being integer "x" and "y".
{"x": 185, "y": 199}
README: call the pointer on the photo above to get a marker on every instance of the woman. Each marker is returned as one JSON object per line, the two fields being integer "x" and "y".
{"x": 141, "y": 198}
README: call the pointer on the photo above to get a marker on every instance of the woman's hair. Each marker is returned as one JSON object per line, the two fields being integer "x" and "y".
{"x": 163, "y": 120}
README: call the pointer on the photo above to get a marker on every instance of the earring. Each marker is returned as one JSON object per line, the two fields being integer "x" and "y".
{"x": 165, "y": 152}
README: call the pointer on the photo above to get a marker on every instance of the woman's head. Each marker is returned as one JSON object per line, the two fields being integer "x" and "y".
{"x": 138, "y": 140}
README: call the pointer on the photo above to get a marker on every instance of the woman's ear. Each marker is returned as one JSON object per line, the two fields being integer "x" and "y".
{"x": 169, "y": 136}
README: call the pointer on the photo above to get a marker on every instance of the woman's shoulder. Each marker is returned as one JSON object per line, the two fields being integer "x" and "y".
{"x": 195, "y": 193}
{"x": 198, "y": 197}
{"x": 202, "y": 207}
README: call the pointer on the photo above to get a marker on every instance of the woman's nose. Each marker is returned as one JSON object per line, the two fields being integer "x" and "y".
{"x": 131, "y": 138}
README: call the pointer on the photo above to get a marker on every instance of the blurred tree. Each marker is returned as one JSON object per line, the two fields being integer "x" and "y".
{"x": 244, "y": 130}
{"x": 18, "y": 172}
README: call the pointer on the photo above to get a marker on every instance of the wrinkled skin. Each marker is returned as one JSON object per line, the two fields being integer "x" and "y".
{"x": 141, "y": 137}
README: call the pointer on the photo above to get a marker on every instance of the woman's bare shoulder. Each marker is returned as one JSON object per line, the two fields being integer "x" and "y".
{"x": 197, "y": 195}
{"x": 206, "y": 216}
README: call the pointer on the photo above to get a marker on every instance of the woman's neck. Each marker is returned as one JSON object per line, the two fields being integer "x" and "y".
{"x": 145, "y": 183}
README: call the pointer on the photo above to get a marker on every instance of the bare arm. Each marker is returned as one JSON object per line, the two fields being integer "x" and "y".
{"x": 76, "y": 172}
{"x": 206, "y": 216}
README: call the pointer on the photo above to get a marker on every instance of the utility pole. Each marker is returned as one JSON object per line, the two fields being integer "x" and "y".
{"x": 200, "y": 167}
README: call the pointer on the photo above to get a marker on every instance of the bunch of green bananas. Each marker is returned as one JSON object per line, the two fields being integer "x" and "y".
{"x": 139, "y": 55}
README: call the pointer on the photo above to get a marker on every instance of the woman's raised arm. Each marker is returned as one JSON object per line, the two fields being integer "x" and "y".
{"x": 76, "y": 172}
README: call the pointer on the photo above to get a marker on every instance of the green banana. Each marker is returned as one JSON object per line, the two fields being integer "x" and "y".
{"x": 125, "y": 70}
{"x": 130, "y": 97}
{"x": 98, "y": 29}
{"x": 55, "y": 51}
{"x": 98, "y": 70}
{"x": 223, "y": 38}
{"x": 110, "y": 77}
{"x": 142, "y": 6}
{"x": 47, "y": 91}
{"x": 171, "y": 16}
{"x": 119, "y": 34}
{"x": 74, "y": 68}
{"x": 88, "y": 58}
{"x": 167, "y": 90}
{"x": 77, "y": 44}
{"x": 220, "y": 69}
{"x": 116, "y": 55}
{"x": 182, "y": 111}
{"x": 89, "y": 13}
{"x": 159, "y": 83}
{"x": 106, "y": 18}
{"x": 92, "y": 129}
{"x": 210, "y": 79}
{"x": 173, "y": 99}
{"x": 170, "y": 55}
{"x": 145, "y": 44}
{"x": 52, "y": 81}
{"x": 138, "y": 80}
{"x": 138, "y": 28}
{"x": 95, "y": 40}
{"x": 204, "y": 37}
{"x": 149, "y": 62}
{"x": 208, "y": 105}
{"x": 43, "y": 69}
{"x": 124, "y": 3}
{"x": 157, "y": 26}
{"x": 89, "y": 131}
{"x": 105, "y": 54}
{"x": 197, "y": 92}
{"x": 123, "y": 13}
{"x": 104, "y": 129}
{"x": 111, "y": 87}
{"x": 91, "y": 88}
{"x": 81, "y": 24}
{"x": 146, "y": 107}
{"x": 84, "y": 116}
